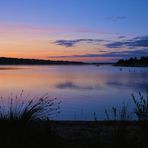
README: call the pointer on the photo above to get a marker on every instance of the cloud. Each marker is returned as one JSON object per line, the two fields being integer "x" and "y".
{"x": 135, "y": 42}
{"x": 115, "y": 18}
{"x": 119, "y": 54}
{"x": 141, "y": 41}
{"x": 127, "y": 54}
{"x": 134, "y": 47}
{"x": 77, "y": 56}
{"x": 10, "y": 28}
{"x": 72, "y": 43}
{"x": 115, "y": 45}
{"x": 121, "y": 37}
{"x": 103, "y": 51}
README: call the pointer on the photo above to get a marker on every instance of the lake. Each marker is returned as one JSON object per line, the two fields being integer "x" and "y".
{"x": 83, "y": 90}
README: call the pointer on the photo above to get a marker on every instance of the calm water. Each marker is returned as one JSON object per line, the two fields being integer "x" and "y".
{"x": 83, "y": 90}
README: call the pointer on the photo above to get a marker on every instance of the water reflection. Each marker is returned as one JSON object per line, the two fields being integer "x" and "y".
{"x": 9, "y": 68}
{"x": 72, "y": 85}
{"x": 136, "y": 85}
{"x": 83, "y": 90}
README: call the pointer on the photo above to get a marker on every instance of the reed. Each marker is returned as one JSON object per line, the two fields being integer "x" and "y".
{"x": 141, "y": 104}
{"x": 39, "y": 108}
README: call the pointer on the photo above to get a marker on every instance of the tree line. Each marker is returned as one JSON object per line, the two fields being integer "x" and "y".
{"x": 138, "y": 62}
{"x": 21, "y": 61}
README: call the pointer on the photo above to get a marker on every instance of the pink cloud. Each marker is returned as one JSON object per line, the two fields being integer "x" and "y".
{"x": 12, "y": 27}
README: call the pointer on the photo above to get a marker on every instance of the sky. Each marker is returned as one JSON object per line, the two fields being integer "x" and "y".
{"x": 77, "y": 30}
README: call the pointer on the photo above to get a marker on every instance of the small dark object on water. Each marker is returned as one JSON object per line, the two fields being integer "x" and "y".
{"x": 120, "y": 69}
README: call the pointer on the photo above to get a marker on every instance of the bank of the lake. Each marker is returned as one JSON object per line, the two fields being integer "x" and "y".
{"x": 73, "y": 134}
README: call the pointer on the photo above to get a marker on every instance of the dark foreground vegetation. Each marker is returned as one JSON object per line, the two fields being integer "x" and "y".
{"x": 26, "y": 126}
{"x": 20, "y": 61}
{"x": 133, "y": 62}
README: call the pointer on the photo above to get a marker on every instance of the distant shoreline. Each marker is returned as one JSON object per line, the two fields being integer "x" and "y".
{"x": 5, "y": 61}
{"x": 133, "y": 62}
{"x": 21, "y": 61}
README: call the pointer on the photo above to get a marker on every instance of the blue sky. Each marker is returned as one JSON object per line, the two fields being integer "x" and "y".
{"x": 112, "y": 20}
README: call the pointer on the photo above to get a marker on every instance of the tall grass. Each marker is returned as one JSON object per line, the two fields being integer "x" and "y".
{"x": 120, "y": 114}
{"x": 29, "y": 109}
{"x": 141, "y": 104}
{"x": 19, "y": 121}
{"x": 119, "y": 117}
{"x": 141, "y": 111}
{"x": 120, "y": 133}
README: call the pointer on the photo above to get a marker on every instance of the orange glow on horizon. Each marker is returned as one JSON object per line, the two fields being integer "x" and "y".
{"x": 26, "y": 41}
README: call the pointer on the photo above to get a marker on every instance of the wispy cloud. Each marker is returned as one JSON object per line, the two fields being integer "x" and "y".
{"x": 7, "y": 28}
{"x": 135, "y": 42}
{"x": 25, "y": 27}
{"x": 72, "y": 43}
{"x": 121, "y": 37}
{"x": 134, "y": 47}
{"x": 115, "y": 18}
{"x": 120, "y": 54}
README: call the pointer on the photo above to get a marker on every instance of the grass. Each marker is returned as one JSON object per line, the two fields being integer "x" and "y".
{"x": 121, "y": 114}
{"x": 141, "y": 111}
{"x": 26, "y": 124}
{"x": 141, "y": 104}
{"x": 121, "y": 117}
{"x": 118, "y": 116}
{"x": 18, "y": 108}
